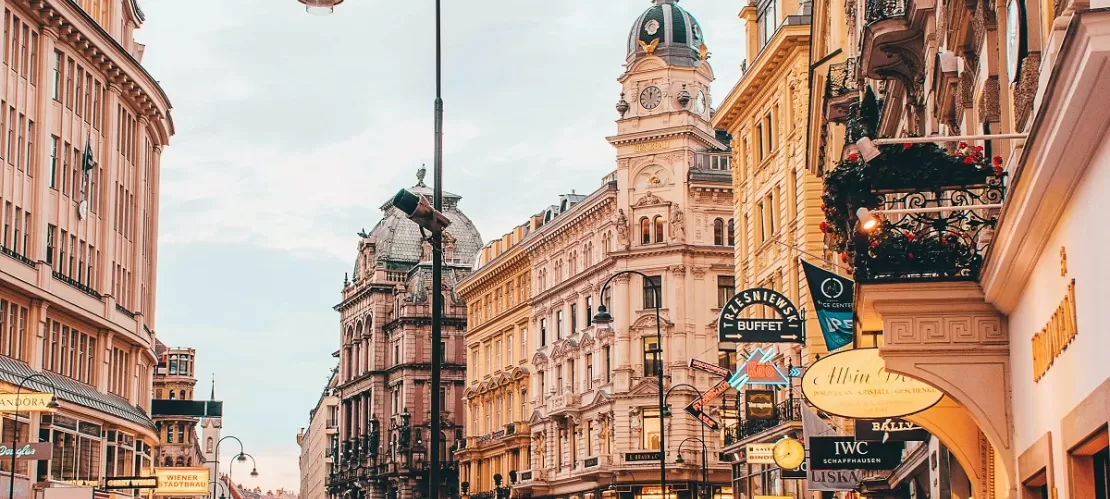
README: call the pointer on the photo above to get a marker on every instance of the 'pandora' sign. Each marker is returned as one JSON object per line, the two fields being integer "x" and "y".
{"x": 26, "y": 402}
{"x": 856, "y": 384}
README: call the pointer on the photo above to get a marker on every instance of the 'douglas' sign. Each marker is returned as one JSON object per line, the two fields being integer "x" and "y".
{"x": 856, "y": 384}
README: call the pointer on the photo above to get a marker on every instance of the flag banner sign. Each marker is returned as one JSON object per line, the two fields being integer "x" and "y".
{"x": 889, "y": 430}
{"x": 847, "y": 453}
{"x": 759, "y": 404}
{"x": 833, "y": 297}
{"x": 788, "y": 327}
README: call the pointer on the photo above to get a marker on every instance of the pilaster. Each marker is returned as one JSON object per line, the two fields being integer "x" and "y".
{"x": 110, "y": 159}
{"x": 41, "y": 166}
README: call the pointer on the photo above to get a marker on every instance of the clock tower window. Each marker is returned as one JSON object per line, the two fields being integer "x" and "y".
{"x": 645, "y": 231}
{"x": 658, "y": 229}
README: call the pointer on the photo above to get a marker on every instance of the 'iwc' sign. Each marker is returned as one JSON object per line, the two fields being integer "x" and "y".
{"x": 788, "y": 327}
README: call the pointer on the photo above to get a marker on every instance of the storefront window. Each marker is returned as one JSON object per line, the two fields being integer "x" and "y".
{"x": 20, "y": 429}
{"x": 651, "y": 426}
{"x": 1101, "y": 461}
{"x": 76, "y": 449}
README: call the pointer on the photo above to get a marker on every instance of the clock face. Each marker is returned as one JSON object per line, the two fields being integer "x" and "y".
{"x": 700, "y": 103}
{"x": 789, "y": 453}
{"x": 651, "y": 97}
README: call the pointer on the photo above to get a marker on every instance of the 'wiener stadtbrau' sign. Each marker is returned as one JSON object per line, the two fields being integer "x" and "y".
{"x": 788, "y": 327}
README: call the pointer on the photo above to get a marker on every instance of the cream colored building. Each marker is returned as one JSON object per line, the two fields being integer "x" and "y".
{"x": 498, "y": 297}
{"x": 777, "y": 210}
{"x": 319, "y": 442}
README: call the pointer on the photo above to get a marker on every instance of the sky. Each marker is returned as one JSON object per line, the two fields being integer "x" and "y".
{"x": 292, "y": 130}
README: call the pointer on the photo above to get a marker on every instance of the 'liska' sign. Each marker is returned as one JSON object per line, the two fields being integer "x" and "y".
{"x": 788, "y": 327}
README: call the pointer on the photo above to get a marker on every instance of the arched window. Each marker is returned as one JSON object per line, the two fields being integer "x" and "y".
{"x": 169, "y": 461}
{"x": 173, "y": 396}
{"x": 718, "y": 232}
{"x": 158, "y": 394}
{"x": 173, "y": 364}
{"x": 182, "y": 395}
{"x": 607, "y": 243}
{"x": 731, "y": 232}
{"x": 658, "y": 229}
{"x": 645, "y": 231}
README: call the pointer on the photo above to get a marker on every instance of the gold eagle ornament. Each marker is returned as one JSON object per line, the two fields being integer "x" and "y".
{"x": 649, "y": 48}
{"x": 703, "y": 52}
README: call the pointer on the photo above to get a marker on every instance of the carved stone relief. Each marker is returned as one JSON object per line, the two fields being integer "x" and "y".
{"x": 989, "y": 110}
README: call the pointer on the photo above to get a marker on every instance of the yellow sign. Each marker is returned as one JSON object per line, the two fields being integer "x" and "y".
{"x": 26, "y": 402}
{"x": 856, "y": 384}
{"x": 1055, "y": 337}
{"x": 655, "y": 145}
{"x": 181, "y": 482}
{"x": 761, "y": 453}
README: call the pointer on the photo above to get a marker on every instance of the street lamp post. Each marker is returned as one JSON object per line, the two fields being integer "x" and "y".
{"x": 603, "y": 318}
{"x": 241, "y": 457}
{"x": 678, "y": 460}
{"x": 704, "y": 463}
{"x": 217, "y": 482}
{"x": 435, "y": 222}
{"x": 53, "y": 404}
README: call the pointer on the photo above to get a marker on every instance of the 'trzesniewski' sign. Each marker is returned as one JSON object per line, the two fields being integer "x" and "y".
{"x": 847, "y": 453}
{"x": 788, "y": 327}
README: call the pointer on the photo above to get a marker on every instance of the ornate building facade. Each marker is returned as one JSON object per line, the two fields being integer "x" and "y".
{"x": 594, "y": 402}
{"x": 385, "y": 355}
{"x": 174, "y": 379}
{"x": 86, "y": 126}
{"x": 319, "y": 441}
{"x": 498, "y": 297}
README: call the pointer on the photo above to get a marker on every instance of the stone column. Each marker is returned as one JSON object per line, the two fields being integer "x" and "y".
{"x": 109, "y": 160}
{"x": 140, "y": 189}
{"x": 41, "y": 168}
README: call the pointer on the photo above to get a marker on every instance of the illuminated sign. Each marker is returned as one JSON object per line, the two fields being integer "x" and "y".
{"x": 789, "y": 327}
{"x": 759, "y": 370}
{"x": 696, "y": 408}
{"x": 182, "y": 482}
{"x": 130, "y": 482}
{"x": 760, "y": 404}
{"x": 856, "y": 384}
{"x": 26, "y": 402}
{"x": 761, "y": 453}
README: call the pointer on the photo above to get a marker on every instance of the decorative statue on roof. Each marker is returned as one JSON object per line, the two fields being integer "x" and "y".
{"x": 622, "y": 230}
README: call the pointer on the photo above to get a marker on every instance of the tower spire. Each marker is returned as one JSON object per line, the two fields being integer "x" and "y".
{"x": 213, "y": 395}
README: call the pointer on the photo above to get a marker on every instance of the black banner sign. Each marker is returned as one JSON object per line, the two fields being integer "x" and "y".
{"x": 847, "y": 453}
{"x": 131, "y": 482}
{"x": 759, "y": 404}
{"x": 632, "y": 457}
{"x": 799, "y": 473}
{"x": 788, "y": 328}
{"x": 889, "y": 430}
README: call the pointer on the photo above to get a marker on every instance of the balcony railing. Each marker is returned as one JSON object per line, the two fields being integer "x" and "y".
{"x": 785, "y": 412}
{"x": 81, "y": 287}
{"x": 19, "y": 258}
{"x": 843, "y": 79}
{"x": 880, "y": 10}
{"x": 123, "y": 310}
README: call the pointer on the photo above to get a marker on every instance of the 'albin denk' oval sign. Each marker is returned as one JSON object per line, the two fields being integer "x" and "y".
{"x": 788, "y": 327}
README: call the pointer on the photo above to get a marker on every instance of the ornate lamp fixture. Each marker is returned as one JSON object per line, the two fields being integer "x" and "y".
{"x": 320, "y": 7}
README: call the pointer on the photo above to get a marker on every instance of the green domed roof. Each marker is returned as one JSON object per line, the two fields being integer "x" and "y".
{"x": 676, "y": 34}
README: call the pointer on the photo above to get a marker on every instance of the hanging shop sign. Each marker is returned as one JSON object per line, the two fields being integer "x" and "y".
{"x": 856, "y": 384}
{"x": 889, "y": 430}
{"x": 39, "y": 451}
{"x": 182, "y": 482}
{"x": 26, "y": 402}
{"x": 697, "y": 407}
{"x": 759, "y": 369}
{"x": 788, "y": 327}
{"x": 833, "y": 298}
{"x": 761, "y": 453}
{"x": 847, "y": 453}
{"x": 799, "y": 473}
{"x": 130, "y": 482}
{"x": 759, "y": 404}
{"x": 636, "y": 457}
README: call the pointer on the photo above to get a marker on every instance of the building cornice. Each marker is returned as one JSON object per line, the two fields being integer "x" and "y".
{"x": 594, "y": 203}
{"x": 506, "y": 265}
{"x": 373, "y": 287}
{"x": 788, "y": 40}
{"x": 698, "y": 134}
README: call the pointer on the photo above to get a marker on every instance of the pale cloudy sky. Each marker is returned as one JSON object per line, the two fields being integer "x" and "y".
{"x": 292, "y": 130}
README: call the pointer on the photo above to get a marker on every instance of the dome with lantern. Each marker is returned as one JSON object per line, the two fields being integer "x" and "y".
{"x": 667, "y": 31}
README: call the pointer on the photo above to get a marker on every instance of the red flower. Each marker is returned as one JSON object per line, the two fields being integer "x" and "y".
{"x": 910, "y": 255}
{"x": 907, "y": 145}
{"x": 997, "y": 161}
{"x": 978, "y": 149}
{"x": 968, "y": 160}
{"x": 824, "y": 227}
{"x": 844, "y": 257}
{"x": 963, "y": 145}
{"x": 853, "y": 157}
{"x": 909, "y": 237}
{"x": 875, "y": 244}
{"x": 997, "y": 171}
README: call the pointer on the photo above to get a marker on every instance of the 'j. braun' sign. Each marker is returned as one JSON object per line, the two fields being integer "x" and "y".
{"x": 788, "y": 327}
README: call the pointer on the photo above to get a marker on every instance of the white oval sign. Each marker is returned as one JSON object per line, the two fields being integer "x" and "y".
{"x": 856, "y": 384}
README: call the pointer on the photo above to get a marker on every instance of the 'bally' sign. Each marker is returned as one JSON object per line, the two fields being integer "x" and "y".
{"x": 847, "y": 453}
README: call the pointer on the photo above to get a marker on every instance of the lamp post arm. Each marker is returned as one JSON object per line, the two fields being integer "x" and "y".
{"x": 657, "y": 287}
{"x": 217, "y": 457}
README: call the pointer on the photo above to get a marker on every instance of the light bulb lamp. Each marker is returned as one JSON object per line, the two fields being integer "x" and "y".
{"x": 217, "y": 456}
{"x": 242, "y": 458}
{"x": 437, "y": 253}
{"x": 604, "y": 319}
{"x": 704, "y": 454}
{"x": 867, "y": 221}
{"x": 53, "y": 404}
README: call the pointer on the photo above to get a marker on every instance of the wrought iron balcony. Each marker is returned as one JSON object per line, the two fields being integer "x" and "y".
{"x": 941, "y": 210}
{"x": 841, "y": 90}
{"x": 784, "y": 412}
{"x": 881, "y": 10}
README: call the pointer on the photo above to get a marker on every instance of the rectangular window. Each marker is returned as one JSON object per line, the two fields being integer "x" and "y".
{"x": 652, "y": 362}
{"x": 442, "y": 352}
{"x": 50, "y": 235}
{"x": 14, "y": 430}
{"x": 11, "y": 145}
{"x": 543, "y": 332}
{"x": 652, "y": 292}
{"x": 608, "y": 366}
{"x": 53, "y": 162}
{"x": 30, "y": 156}
{"x": 474, "y": 357}
{"x": 652, "y": 427}
{"x": 571, "y": 376}
{"x": 726, "y": 287}
{"x": 396, "y": 353}
{"x": 509, "y": 349}
{"x": 489, "y": 360}
{"x": 499, "y": 364}
{"x": 17, "y": 239}
{"x": 523, "y": 344}
{"x": 19, "y": 143}
{"x": 589, "y": 371}
{"x": 726, "y": 359}
{"x": 589, "y": 437}
{"x": 26, "y": 232}
{"x": 573, "y": 318}
{"x": 56, "y": 90}
{"x": 69, "y": 82}
{"x": 558, "y": 324}
{"x": 589, "y": 311}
